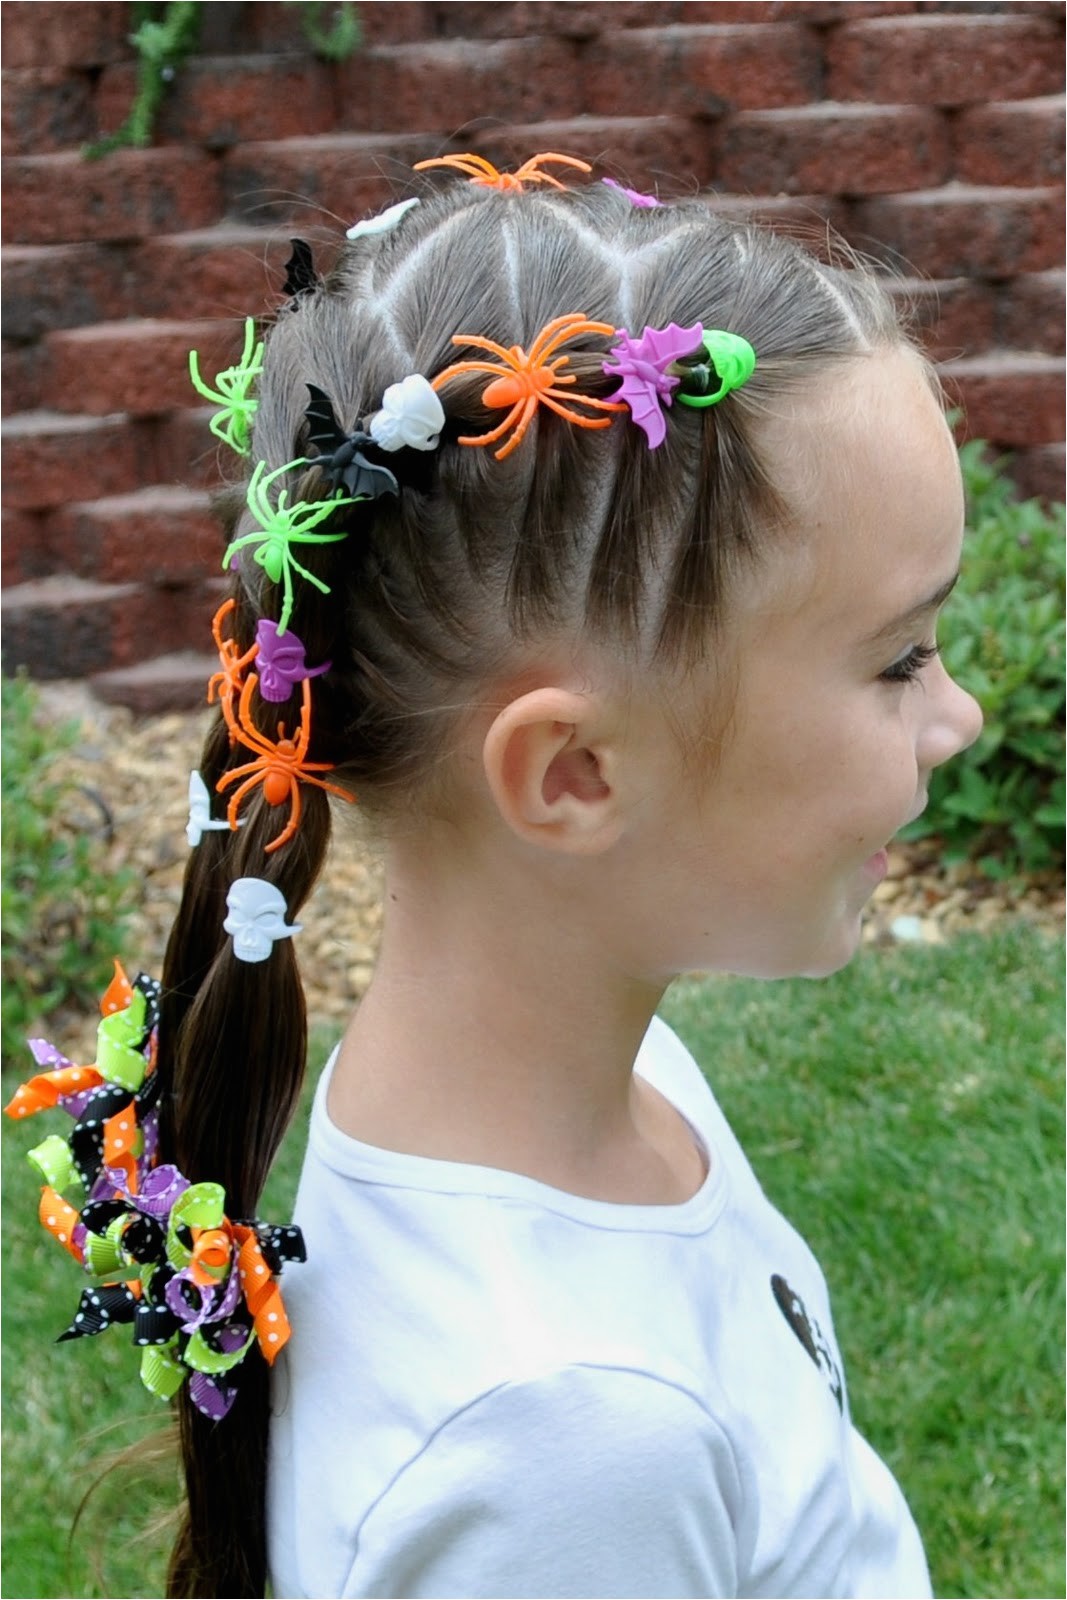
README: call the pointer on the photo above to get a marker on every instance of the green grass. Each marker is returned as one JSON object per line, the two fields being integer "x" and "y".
{"x": 905, "y": 1114}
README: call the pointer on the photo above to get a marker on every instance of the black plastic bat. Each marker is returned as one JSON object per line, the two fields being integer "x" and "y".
{"x": 342, "y": 456}
{"x": 300, "y": 274}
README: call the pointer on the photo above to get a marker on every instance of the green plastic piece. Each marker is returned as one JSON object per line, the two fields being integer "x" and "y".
{"x": 281, "y": 526}
{"x": 233, "y": 424}
{"x": 730, "y": 363}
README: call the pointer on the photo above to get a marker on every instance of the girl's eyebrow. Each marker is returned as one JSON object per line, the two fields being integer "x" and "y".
{"x": 914, "y": 614}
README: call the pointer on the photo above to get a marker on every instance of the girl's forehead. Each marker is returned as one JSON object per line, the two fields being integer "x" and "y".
{"x": 868, "y": 470}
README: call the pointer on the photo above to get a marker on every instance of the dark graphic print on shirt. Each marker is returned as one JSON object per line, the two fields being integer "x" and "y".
{"x": 810, "y": 1335}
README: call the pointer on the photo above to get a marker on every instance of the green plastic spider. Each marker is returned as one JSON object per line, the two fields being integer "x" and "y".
{"x": 233, "y": 423}
{"x": 279, "y": 527}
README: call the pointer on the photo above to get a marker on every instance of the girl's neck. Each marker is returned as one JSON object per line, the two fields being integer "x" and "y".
{"x": 504, "y": 1038}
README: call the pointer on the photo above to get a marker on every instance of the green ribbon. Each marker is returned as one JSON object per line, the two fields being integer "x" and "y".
{"x": 118, "y": 1056}
{"x": 203, "y": 1205}
{"x": 103, "y": 1252}
{"x": 54, "y": 1162}
{"x": 161, "y": 1372}
{"x": 200, "y": 1356}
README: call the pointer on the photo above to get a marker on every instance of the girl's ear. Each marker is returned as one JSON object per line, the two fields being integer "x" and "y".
{"x": 551, "y": 770}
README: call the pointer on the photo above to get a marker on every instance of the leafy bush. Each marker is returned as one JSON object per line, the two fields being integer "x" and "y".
{"x": 63, "y": 907}
{"x": 1002, "y": 636}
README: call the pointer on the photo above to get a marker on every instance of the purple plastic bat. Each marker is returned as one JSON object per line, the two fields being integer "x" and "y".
{"x": 635, "y": 197}
{"x": 646, "y": 385}
{"x": 280, "y": 662}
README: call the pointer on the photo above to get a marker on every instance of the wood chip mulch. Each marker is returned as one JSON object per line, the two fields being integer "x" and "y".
{"x": 133, "y": 774}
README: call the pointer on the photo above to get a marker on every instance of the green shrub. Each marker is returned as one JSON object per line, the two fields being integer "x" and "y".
{"x": 63, "y": 906}
{"x": 1002, "y": 802}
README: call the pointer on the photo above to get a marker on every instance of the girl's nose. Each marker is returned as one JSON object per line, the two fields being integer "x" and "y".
{"x": 954, "y": 721}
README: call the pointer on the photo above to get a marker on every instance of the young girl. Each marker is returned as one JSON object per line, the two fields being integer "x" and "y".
{"x": 597, "y": 546}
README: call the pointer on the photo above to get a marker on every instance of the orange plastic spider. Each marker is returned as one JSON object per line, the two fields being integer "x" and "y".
{"x": 483, "y": 172}
{"x": 228, "y": 682}
{"x": 533, "y": 380}
{"x": 280, "y": 767}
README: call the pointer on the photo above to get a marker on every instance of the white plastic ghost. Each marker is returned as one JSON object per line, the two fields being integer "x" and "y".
{"x": 384, "y": 222}
{"x": 411, "y": 415}
{"x": 200, "y": 820}
{"x": 257, "y": 912}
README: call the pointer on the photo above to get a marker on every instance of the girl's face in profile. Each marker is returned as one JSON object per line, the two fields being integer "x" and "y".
{"x": 842, "y": 709}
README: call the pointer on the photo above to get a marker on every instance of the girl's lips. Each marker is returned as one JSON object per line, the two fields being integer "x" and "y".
{"x": 878, "y": 865}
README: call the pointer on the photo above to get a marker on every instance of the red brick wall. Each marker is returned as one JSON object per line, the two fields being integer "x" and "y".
{"x": 930, "y": 135}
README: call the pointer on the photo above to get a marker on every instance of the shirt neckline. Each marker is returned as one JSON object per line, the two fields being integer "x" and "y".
{"x": 373, "y": 1164}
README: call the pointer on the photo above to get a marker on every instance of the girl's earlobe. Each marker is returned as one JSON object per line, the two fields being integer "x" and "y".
{"x": 551, "y": 772}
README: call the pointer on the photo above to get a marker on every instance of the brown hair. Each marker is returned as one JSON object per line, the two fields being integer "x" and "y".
{"x": 437, "y": 591}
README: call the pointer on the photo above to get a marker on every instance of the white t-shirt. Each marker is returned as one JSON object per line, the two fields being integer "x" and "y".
{"x": 495, "y": 1388}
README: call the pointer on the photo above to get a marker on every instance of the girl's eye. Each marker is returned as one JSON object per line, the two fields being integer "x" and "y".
{"x": 909, "y": 666}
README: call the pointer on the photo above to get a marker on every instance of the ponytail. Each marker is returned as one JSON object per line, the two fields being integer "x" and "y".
{"x": 233, "y": 1040}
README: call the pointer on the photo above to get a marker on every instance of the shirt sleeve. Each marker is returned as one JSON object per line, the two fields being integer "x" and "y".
{"x": 590, "y": 1481}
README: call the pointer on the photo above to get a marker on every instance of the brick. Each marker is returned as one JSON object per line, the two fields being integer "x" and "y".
{"x": 61, "y": 33}
{"x": 945, "y": 60}
{"x": 269, "y": 26}
{"x": 170, "y": 535}
{"x": 1039, "y": 473}
{"x": 663, "y": 154}
{"x": 232, "y": 270}
{"x": 130, "y": 194}
{"x": 63, "y": 627}
{"x": 184, "y": 451}
{"x": 1015, "y": 142}
{"x": 219, "y": 101}
{"x": 574, "y": 19}
{"x": 62, "y": 286}
{"x": 49, "y": 459}
{"x": 833, "y": 149}
{"x": 24, "y": 550}
{"x": 21, "y": 368}
{"x": 439, "y": 85}
{"x": 1030, "y": 313}
{"x": 172, "y": 682}
{"x": 140, "y": 367}
{"x": 952, "y": 317}
{"x": 701, "y": 70}
{"x": 298, "y": 181}
{"x": 817, "y": 12}
{"x": 1010, "y": 400}
{"x": 43, "y": 109}
{"x": 960, "y": 231}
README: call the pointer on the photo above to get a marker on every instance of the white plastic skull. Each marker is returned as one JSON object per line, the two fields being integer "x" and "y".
{"x": 411, "y": 415}
{"x": 200, "y": 820}
{"x": 257, "y": 913}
